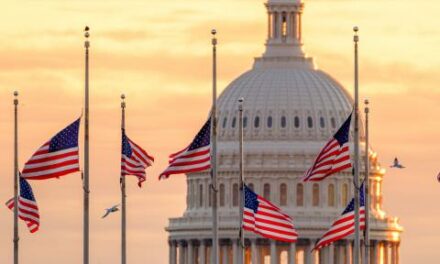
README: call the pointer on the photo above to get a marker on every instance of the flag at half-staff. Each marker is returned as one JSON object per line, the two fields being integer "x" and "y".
{"x": 196, "y": 157}
{"x": 57, "y": 157}
{"x": 28, "y": 208}
{"x": 262, "y": 217}
{"x": 334, "y": 157}
{"x": 344, "y": 225}
{"x": 134, "y": 159}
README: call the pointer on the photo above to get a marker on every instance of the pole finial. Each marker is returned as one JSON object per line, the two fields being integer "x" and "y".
{"x": 15, "y": 93}
{"x": 366, "y": 101}
{"x": 356, "y": 30}
{"x": 87, "y": 35}
{"x": 123, "y": 100}
{"x": 214, "y": 39}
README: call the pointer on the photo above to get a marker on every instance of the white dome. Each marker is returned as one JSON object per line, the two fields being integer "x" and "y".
{"x": 284, "y": 103}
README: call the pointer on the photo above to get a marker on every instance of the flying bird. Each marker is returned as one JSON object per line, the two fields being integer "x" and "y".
{"x": 110, "y": 210}
{"x": 396, "y": 164}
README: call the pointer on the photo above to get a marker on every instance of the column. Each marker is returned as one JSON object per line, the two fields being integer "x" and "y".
{"x": 224, "y": 249}
{"x": 348, "y": 251}
{"x": 190, "y": 253}
{"x": 254, "y": 252}
{"x": 341, "y": 254}
{"x": 331, "y": 254}
{"x": 374, "y": 252}
{"x": 235, "y": 248}
{"x": 181, "y": 253}
{"x": 385, "y": 250}
{"x": 202, "y": 252}
{"x": 393, "y": 253}
{"x": 398, "y": 253}
{"x": 172, "y": 253}
{"x": 273, "y": 252}
{"x": 292, "y": 254}
{"x": 308, "y": 254}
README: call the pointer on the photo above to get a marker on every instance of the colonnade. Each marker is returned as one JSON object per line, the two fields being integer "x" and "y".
{"x": 263, "y": 251}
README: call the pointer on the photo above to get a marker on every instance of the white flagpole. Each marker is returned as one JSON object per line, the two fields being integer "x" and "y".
{"x": 215, "y": 248}
{"x": 16, "y": 175}
{"x": 367, "y": 187}
{"x": 356, "y": 254}
{"x": 86, "y": 152}
{"x": 242, "y": 200}
{"x": 123, "y": 197}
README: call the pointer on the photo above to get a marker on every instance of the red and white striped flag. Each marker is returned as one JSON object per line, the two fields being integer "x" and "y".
{"x": 58, "y": 157}
{"x": 334, "y": 157}
{"x": 196, "y": 157}
{"x": 262, "y": 217}
{"x": 134, "y": 160}
{"x": 344, "y": 225}
{"x": 28, "y": 208}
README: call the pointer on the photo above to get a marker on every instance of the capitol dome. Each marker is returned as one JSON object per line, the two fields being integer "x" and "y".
{"x": 291, "y": 109}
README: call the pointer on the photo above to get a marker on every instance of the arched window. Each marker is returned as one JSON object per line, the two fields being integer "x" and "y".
{"x": 251, "y": 186}
{"x": 296, "y": 122}
{"x": 257, "y": 121}
{"x": 234, "y": 120}
{"x": 315, "y": 198}
{"x": 284, "y": 25}
{"x": 309, "y": 122}
{"x": 283, "y": 194}
{"x": 331, "y": 195}
{"x": 222, "y": 194}
{"x": 283, "y": 121}
{"x": 235, "y": 194}
{"x": 333, "y": 121}
{"x": 344, "y": 194}
{"x": 299, "y": 194}
{"x": 322, "y": 122}
{"x": 266, "y": 191}
{"x": 245, "y": 121}
{"x": 269, "y": 122}
{"x": 225, "y": 120}
{"x": 201, "y": 195}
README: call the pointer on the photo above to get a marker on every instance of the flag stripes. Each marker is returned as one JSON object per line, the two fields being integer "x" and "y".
{"x": 264, "y": 218}
{"x": 57, "y": 157}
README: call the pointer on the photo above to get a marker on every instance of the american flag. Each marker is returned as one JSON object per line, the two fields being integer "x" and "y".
{"x": 27, "y": 209}
{"x": 57, "y": 157}
{"x": 196, "y": 157}
{"x": 344, "y": 225}
{"x": 134, "y": 159}
{"x": 334, "y": 157}
{"x": 262, "y": 217}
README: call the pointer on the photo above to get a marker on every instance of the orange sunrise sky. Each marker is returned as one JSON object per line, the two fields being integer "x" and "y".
{"x": 158, "y": 54}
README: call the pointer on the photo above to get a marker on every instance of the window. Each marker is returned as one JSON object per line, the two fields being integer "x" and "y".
{"x": 296, "y": 121}
{"x": 234, "y": 120}
{"x": 245, "y": 121}
{"x": 269, "y": 122}
{"x": 284, "y": 26}
{"x": 257, "y": 121}
{"x": 331, "y": 195}
{"x": 283, "y": 194}
{"x": 315, "y": 198}
{"x": 266, "y": 191}
{"x": 344, "y": 194}
{"x": 210, "y": 196}
{"x": 235, "y": 194}
{"x": 299, "y": 194}
{"x": 251, "y": 186}
{"x": 225, "y": 120}
{"x": 309, "y": 122}
{"x": 201, "y": 195}
{"x": 283, "y": 121}
{"x": 222, "y": 195}
{"x": 333, "y": 121}
{"x": 322, "y": 122}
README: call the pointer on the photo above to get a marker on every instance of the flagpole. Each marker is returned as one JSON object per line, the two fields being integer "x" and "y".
{"x": 123, "y": 197}
{"x": 356, "y": 254}
{"x": 242, "y": 242}
{"x": 16, "y": 173}
{"x": 86, "y": 152}
{"x": 367, "y": 186}
{"x": 215, "y": 255}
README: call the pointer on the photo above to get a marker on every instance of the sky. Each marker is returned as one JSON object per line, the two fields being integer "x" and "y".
{"x": 158, "y": 54}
